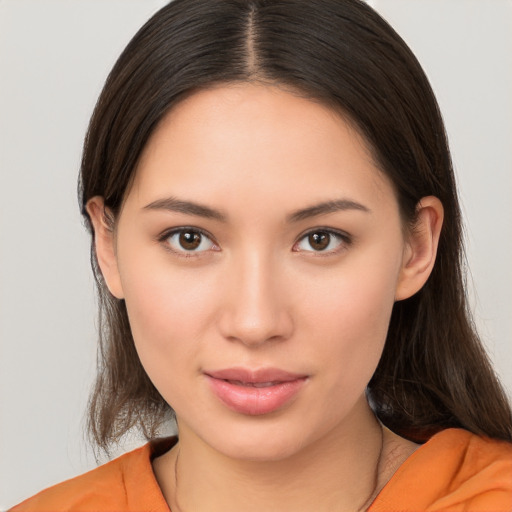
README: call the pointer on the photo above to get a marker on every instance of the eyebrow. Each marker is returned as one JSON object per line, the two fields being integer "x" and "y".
{"x": 188, "y": 207}
{"x": 327, "y": 207}
{"x": 191, "y": 208}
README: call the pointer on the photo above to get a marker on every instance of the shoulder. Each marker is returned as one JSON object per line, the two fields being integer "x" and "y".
{"x": 454, "y": 471}
{"x": 126, "y": 483}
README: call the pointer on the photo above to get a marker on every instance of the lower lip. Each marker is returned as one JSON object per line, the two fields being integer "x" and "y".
{"x": 255, "y": 401}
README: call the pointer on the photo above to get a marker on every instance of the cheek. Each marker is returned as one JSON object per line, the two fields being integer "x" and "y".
{"x": 357, "y": 297}
{"x": 351, "y": 312}
{"x": 169, "y": 310}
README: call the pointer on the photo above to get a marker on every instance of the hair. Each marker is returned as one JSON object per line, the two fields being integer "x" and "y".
{"x": 434, "y": 372}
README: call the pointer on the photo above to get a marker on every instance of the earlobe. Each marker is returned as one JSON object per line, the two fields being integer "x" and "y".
{"x": 421, "y": 248}
{"x": 104, "y": 245}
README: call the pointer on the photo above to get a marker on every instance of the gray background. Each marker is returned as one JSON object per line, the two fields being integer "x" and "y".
{"x": 54, "y": 57}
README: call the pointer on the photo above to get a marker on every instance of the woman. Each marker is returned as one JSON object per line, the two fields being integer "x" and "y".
{"x": 277, "y": 248}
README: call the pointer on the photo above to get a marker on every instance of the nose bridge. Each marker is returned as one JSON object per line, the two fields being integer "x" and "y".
{"x": 256, "y": 308}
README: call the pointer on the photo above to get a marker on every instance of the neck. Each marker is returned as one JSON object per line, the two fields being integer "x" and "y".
{"x": 340, "y": 472}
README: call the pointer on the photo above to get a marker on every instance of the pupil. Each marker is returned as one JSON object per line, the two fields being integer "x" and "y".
{"x": 190, "y": 240}
{"x": 319, "y": 241}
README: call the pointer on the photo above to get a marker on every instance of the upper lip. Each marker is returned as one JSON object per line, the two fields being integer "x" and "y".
{"x": 255, "y": 376}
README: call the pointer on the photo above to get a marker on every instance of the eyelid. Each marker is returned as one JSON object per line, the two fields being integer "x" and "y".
{"x": 165, "y": 235}
{"x": 346, "y": 239}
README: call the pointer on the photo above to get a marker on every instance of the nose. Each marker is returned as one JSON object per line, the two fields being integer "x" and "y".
{"x": 256, "y": 307}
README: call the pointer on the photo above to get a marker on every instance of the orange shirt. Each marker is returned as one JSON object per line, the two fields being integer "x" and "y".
{"x": 454, "y": 471}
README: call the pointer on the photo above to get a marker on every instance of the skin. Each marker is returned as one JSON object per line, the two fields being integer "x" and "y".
{"x": 257, "y": 294}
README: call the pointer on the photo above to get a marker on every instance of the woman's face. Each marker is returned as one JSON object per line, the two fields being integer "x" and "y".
{"x": 259, "y": 252}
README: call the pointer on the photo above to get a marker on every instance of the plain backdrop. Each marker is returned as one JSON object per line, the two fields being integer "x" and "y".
{"x": 54, "y": 58}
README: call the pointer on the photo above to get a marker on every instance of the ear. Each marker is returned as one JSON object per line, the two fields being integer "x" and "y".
{"x": 421, "y": 248}
{"x": 104, "y": 244}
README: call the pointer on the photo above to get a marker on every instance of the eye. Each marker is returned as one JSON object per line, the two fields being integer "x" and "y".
{"x": 321, "y": 241}
{"x": 188, "y": 240}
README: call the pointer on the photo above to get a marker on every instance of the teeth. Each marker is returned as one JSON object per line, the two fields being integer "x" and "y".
{"x": 253, "y": 384}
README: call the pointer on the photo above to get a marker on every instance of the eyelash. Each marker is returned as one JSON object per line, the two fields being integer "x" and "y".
{"x": 344, "y": 241}
{"x": 164, "y": 239}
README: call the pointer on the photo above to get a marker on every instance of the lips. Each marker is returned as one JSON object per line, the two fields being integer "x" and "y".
{"x": 254, "y": 384}
{"x": 255, "y": 392}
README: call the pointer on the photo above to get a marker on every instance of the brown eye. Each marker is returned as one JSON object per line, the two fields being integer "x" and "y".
{"x": 322, "y": 241}
{"x": 188, "y": 240}
{"x": 319, "y": 241}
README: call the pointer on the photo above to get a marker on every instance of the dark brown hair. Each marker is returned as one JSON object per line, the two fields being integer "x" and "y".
{"x": 433, "y": 373}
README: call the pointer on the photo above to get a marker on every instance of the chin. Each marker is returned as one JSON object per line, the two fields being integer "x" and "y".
{"x": 259, "y": 439}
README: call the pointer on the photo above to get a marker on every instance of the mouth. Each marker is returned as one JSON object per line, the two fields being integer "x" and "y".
{"x": 255, "y": 392}
{"x": 253, "y": 384}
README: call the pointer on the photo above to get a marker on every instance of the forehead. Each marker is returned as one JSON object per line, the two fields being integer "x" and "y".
{"x": 253, "y": 139}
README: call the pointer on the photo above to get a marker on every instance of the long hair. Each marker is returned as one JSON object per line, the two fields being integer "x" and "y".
{"x": 434, "y": 372}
